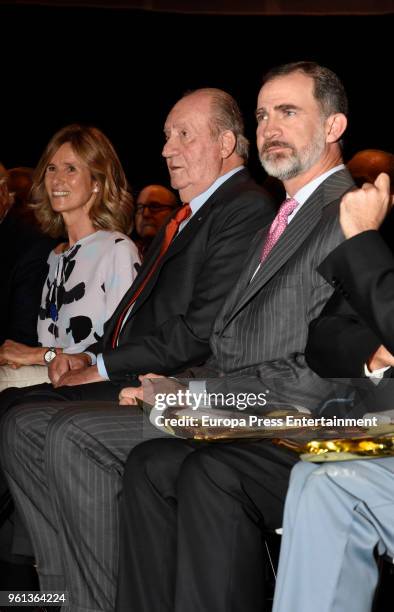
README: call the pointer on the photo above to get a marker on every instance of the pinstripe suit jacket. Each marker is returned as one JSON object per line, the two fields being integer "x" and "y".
{"x": 260, "y": 334}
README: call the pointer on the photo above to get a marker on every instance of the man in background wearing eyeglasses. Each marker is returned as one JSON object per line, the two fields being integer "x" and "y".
{"x": 155, "y": 204}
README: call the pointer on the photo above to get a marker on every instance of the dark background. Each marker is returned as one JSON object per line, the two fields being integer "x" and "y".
{"x": 123, "y": 69}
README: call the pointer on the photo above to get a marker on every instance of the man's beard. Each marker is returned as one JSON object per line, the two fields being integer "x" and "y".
{"x": 286, "y": 166}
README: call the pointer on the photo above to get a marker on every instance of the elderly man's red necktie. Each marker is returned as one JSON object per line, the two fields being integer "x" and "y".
{"x": 171, "y": 231}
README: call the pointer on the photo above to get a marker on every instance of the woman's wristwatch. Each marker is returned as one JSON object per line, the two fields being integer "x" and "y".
{"x": 50, "y": 354}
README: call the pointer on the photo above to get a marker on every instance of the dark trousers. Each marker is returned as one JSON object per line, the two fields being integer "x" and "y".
{"x": 104, "y": 391}
{"x": 193, "y": 520}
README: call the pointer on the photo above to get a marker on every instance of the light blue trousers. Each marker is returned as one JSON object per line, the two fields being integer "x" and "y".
{"x": 335, "y": 515}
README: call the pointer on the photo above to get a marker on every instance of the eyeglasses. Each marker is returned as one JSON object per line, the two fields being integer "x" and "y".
{"x": 153, "y": 208}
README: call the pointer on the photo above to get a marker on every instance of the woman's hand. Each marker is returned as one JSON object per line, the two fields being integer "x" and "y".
{"x": 64, "y": 363}
{"x": 16, "y": 354}
{"x": 81, "y": 376}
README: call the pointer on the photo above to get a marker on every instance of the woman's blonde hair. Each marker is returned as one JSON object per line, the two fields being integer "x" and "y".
{"x": 112, "y": 208}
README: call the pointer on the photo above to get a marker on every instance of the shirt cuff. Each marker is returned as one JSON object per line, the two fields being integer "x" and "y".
{"x": 376, "y": 375}
{"x": 92, "y": 356}
{"x": 102, "y": 370}
{"x": 198, "y": 388}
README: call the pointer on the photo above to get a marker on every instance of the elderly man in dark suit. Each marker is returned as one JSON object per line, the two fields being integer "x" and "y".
{"x": 194, "y": 513}
{"x": 163, "y": 324}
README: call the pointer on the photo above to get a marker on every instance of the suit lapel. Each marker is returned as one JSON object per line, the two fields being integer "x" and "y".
{"x": 186, "y": 235}
{"x": 292, "y": 238}
{"x": 191, "y": 228}
{"x": 251, "y": 262}
{"x": 177, "y": 245}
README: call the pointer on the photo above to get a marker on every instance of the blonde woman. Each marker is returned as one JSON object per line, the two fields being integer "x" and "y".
{"x": 79, "y": 191}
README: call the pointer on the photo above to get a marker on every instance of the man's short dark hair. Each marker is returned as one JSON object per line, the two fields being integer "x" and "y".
{"x": 328, "y": 89}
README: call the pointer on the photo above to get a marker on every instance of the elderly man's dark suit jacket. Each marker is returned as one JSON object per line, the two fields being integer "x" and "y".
{"x": 171, "y": 321}
{"x": 260, "y": 334}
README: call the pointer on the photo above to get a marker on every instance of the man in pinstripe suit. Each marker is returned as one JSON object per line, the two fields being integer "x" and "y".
{"x": 193, "y": 514}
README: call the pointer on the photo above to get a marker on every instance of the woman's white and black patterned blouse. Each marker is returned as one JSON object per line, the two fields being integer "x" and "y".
{"x": 83, "y": 288}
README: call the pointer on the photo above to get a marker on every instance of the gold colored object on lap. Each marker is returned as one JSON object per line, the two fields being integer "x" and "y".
{"x": 342, "y": 449}
{"x": 369, "y": 446}
{"x": 347, "y": 449}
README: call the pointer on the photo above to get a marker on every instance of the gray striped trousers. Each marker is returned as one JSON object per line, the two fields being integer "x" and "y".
{"x": 64, "y": 463}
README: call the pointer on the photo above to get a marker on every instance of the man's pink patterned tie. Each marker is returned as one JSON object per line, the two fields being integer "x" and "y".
{"x": 278, "y": 226}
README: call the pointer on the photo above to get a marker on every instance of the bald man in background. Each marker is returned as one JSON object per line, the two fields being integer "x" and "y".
{"x": 366, "y": 165}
